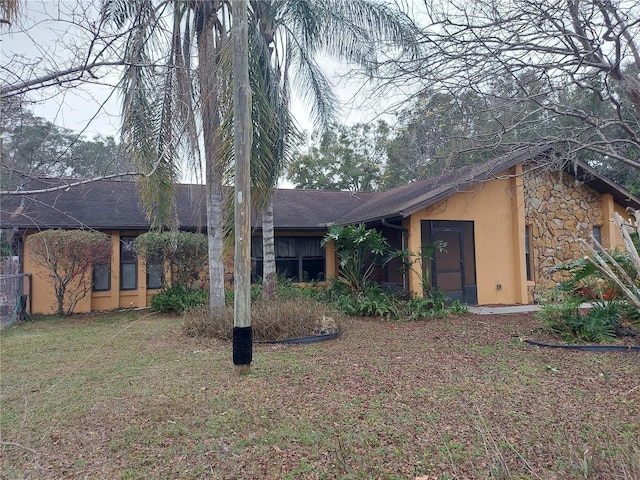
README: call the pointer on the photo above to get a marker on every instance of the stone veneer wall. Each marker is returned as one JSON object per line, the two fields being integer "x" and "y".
{"x": 557, "y": 210}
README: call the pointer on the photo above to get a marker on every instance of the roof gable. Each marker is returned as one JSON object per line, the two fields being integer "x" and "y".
{"x": 407, "y": 199}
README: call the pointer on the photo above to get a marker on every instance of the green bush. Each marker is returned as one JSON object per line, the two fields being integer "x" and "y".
{"x": 186, "y": 253}
{"x": 375, "y": 302}
{"x": 372, "y": 303}
{"x": 561, "y": 310}
{"x": 178, "y": 298}
{"x": 599, "y": 323}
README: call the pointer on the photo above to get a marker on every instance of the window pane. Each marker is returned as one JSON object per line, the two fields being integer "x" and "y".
{"x": 127, "y": 251}
{"x": 101, "y": 278}
{"x": 310, "y": 247}
{"x": 287, "y": 268}
{"x": 154, "y": 275}
{"x": 128, "y": 276}
{"x": 527, "y": 252}
{"x": 256, "y": 270}
{"x": 597, "y": 234}
{"x": 285, "y": 246}
{"x": 291, "y": 254}
{"x": 312, "y": 269}
{"x": 256, "y": 247}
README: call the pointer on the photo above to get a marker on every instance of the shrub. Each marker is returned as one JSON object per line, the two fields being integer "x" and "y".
{"x": 561, "y": 313}
{"x": 178, "y": 298}
{"x": 68, "y": 256}
{"x": 391, "y": 305}
{"x": 359, "y": 250}
{"x": 186, "y": 252}
{"x": 372, "y": 302}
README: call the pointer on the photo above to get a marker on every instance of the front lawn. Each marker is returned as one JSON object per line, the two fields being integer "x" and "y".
{"x": 129, "y": 396}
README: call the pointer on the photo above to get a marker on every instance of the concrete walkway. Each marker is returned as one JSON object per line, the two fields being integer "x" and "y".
{"x": 501, "y": 310}
{"x": 511, "y": 309}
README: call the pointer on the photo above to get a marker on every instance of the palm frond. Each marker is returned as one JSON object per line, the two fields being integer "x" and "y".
{"x": 148, "y": 115}
{"x": 9, "y": 10}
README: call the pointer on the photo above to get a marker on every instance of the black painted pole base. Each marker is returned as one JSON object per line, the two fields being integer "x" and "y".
{"x": 242, "y": 349}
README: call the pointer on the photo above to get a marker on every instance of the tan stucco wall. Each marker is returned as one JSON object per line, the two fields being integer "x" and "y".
{"x": 616, "y": 238}
{"x": 490, "y": 206}
{"x": 555, "y": 207}
{"x": 43, "y": 299}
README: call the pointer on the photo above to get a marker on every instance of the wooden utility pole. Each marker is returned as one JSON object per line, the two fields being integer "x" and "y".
{"x": 242, "y": 129}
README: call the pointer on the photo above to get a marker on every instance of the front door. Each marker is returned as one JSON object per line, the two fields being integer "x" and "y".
{"x": 453, "y": 271}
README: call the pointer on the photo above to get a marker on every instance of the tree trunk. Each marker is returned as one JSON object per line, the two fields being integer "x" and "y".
{"x": 208, "y": 80}
{"x": 269, "y": 276}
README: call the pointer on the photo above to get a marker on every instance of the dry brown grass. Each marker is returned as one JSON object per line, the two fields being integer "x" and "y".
{"x": 278, "y": 319}
{"x": 123, "y": 396}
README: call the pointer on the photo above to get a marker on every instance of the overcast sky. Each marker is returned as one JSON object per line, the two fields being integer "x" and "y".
{"x": 45, "y": 37}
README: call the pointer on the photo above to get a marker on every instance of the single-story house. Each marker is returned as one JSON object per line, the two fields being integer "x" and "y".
{"x": 505, "y": 222}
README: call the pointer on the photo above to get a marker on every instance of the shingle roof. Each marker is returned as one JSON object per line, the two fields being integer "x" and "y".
{"x": 103, "y": 204}
{"x": 108, "y": 204}
{"x": 591, "y": 177}
{"x": 407, "y": 199}
{"x": 309, "y": 209}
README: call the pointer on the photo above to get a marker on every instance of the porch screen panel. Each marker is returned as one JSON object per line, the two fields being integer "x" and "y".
{"x": 300, "y": 259}
{"x": 449, "y": 281}
{"x": 285, "y": 246}
{"x": 256, "y": 247}
{"x": 450, "y": 258}
{"x": 469, "y": 253}
{"x": 310, "y": 247}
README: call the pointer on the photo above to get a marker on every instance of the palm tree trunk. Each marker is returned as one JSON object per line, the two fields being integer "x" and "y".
{"x": 207, "y": 78}
{"x": 269, "y": 276}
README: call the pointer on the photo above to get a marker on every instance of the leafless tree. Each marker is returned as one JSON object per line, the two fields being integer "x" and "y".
{"x": 54, "y": 52}
{"x": 541, "y": 71}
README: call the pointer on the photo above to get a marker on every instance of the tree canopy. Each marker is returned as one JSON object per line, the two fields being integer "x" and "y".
{"x": 33, "y": 146}
{"x": 343, "y": 158}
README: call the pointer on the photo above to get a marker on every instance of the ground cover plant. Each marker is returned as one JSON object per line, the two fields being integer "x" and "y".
{"x": 128, "y": 396}
{"x": 611, "y": 316}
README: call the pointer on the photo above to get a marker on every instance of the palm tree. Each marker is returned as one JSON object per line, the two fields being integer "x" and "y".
{"x": 9, "y": 10}
{"x": 292, "y": 33}
{"x": 168, "y": 113}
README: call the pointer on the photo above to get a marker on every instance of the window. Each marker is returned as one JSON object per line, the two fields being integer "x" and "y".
{"x": 102, "y": 277}
{"x": 155, "y": 275}
{"x": 527, "y": 253}
{"x": 128, "y": 264}
{"x": 597, "y": 236}
{"x": 301, "y": 259}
